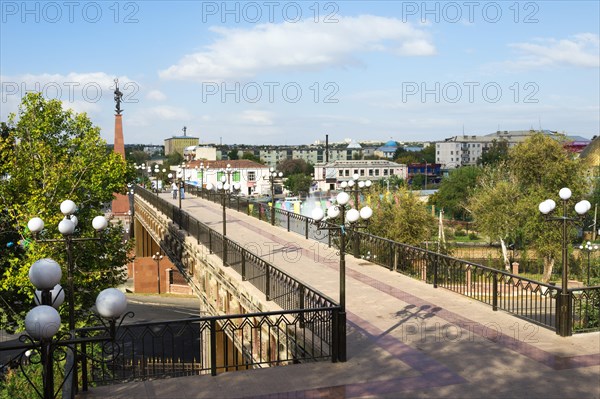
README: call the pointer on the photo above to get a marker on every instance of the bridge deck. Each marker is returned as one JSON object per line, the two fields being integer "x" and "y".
{"x": 405, "y": 338}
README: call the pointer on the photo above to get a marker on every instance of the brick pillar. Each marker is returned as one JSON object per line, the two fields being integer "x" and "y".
{"x": 120, "y": 205}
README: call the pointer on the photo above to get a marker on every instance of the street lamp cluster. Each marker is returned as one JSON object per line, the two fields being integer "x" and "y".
{"x": 355, "y": 186}
{"x": 225, "y": 189}
{"x": 273, "y": 176}
{"x": 43, "y": 322}
{"x": 547, "y": 207}
{"x": 67, "y": 228}
{"x": 589, "y": 248}
{"x": 157, "y": 258}
{"x": 350, "y": 220}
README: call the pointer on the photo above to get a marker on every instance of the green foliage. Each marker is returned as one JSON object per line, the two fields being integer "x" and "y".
{"x": 14, "y": 385}
{"x": 505, "y": 203}
{"x": 418, "y": 181}
{"x": 407, "y": 157}
{"x": 137, "y": 157}
{"x": 394, "y": 182}
{"x": 295, "y": 166}
{"x": 454, "y": 190}
{"x": 173, "y": 159}
{"x": 298, "y": 183}
{"x": 233, "y": 155}
{"x": 57, "y": 155}
{"x": 494, "y": 154}
{"x": 251, "y": 157}
{"x": 399, "y": 216}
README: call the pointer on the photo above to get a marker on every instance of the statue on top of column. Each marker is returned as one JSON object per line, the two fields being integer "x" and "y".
{"x": 118, "y": 97}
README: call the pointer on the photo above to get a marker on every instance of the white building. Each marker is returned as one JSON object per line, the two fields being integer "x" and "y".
{"x": 253, "y": 177}
{"x": 328, "y": 176}
{"x": 466, "y": 150}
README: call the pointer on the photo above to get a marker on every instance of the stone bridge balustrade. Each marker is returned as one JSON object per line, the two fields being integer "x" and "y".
{"x": 220, "y": 290}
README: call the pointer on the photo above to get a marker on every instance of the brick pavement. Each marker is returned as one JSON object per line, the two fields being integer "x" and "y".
{"x": 405, "y": 338}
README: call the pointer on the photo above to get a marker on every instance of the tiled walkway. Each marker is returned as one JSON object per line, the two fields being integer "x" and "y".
{"x": 405, "y": 338}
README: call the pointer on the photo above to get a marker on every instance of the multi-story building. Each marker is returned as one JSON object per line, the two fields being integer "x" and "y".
{"x": 179, "y": 143}
{"x": 253, "y": 177}
{"x": 328, "y": 176}
{"x": 466, "y": 150}
{"x": 273, "y": 155}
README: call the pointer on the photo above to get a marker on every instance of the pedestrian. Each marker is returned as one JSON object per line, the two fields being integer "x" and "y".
{"x": 174, "y": 190}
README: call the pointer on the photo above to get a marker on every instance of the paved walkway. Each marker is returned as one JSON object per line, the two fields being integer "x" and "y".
{"x": 405, "y": 338}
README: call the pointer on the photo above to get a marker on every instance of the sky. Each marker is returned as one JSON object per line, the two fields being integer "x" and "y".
{"x": 291, "y": 72}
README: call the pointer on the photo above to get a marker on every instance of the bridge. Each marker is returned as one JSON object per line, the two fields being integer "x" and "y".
{"x": 271, "y": 296}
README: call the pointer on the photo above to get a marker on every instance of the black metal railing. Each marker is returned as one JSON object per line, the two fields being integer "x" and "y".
{"x": 206, "y": 345}
{"x": 526, "y": 298}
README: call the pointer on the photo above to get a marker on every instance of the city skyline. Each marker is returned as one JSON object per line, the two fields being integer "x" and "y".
{"x": 291, "y": 72}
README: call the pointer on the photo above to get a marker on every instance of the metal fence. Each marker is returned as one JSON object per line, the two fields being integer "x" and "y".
{"x": 206, "y": 345}
{"x": 288, "y": 293}
{"x": 524, "y": 297}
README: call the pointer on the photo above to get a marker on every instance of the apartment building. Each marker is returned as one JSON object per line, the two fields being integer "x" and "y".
{"x": 329, "y": 176}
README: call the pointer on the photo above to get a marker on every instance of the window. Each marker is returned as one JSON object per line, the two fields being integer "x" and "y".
{"x": 347, "y": 172}
{"x": 376, "y": 172}
{"x": 236, "y": 176}
{"x": 355, "y": 171}
{"x": 370, "y": 172}
{"x": 252, "y": 176}
{"x": 451, "y": 152}
{"x": 362, "y": 172}
{"x": 341, "y": 172}
{"x": 385, "y": 172}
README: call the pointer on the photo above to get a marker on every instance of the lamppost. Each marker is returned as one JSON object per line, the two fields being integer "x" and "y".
{"x": 43, "y": 321}
{"x": 273, "y": 175}
{"x": 546, "y": 207}
{"x": 157, "y": 173}
{"x": 141, "y": 169}
{"x": 225, "y": 190}
{"x": 589, "y": 248}
{"x": 425, "y": 173}
{"x": 203, "y": 170}
{"x": 181, "y": 174}
{"x": 67, "y": 227}
{"x": 157, "y": 257}
{"x": 348, "y": 217}
{"x": 355, "y": 186}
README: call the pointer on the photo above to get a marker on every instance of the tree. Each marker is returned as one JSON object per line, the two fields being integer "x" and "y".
{"x": 399, "y": 216}
{"x": 454, "y": 190}
{"x": 233, "y": 155}
{"x": 505, "y": 203}
{"x": 295, "y": 166}
{"x": 417, "y": 181}
{"x": 495, "y": 153}
{"x": 57, "y": 155}
{"x": 298, "y": 183}
{"x": 251, "y": 157}
{"x": 138, "y": 157}
{"x": 174, "y": 159}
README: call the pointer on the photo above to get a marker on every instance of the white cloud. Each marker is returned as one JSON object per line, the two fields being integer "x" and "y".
{"x": 258, "y": 117}
{"x": 243, "y": 53}
{"x": 149, "y": 116}
{"x": 83, "y": 92}
{"x": 156, "y": 95}
{"x": 581, "y": 50}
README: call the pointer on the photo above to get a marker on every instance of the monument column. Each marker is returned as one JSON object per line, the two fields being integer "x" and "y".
{"x": 120, "y": 205}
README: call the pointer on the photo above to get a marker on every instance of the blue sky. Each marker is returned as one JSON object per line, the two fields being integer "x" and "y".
{"x": 278, "y": 72}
